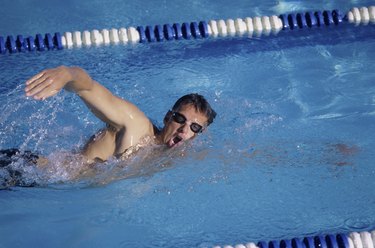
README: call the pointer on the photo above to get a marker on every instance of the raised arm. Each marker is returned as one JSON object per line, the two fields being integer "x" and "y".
{"x": 109, "y": 108}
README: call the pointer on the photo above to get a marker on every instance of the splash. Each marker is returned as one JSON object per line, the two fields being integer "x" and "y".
{"x": 27, "y": 169}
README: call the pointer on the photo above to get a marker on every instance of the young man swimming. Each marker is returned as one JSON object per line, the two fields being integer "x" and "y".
{"x": 128, "y": 128}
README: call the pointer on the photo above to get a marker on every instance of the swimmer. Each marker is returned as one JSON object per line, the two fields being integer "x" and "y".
{"x": 127, "y": 127}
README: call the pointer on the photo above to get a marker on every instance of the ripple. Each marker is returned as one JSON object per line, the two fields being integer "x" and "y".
{"x": 359, "y": 223}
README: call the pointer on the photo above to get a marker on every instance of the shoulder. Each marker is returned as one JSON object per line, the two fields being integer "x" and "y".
{"x": 130, "y": 116}
{"x": 138, "y": 125}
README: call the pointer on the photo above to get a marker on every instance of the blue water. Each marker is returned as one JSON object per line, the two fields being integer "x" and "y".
{"x": 290, "y": 154}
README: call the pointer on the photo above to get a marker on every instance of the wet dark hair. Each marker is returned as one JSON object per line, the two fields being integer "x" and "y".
{"x": 200, "y": 104}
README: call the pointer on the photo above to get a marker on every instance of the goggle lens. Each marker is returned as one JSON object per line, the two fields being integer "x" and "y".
{"x": 181, "y": 119}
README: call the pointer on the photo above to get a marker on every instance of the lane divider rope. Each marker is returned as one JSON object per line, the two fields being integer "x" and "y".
{"x": 249, "y": 26}
{"x": 353, "y": 240}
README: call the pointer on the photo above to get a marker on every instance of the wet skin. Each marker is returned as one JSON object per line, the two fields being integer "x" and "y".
{"x": 174, "y": 134}
{"x": 127, "y": 125}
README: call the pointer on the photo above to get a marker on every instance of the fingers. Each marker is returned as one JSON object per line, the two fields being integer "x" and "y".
{"x": 41, "y": 85}
{"x": 34, "y": 83}
{"x": 41, "y": 88}
{"x": 47, "y": 83}
{"x": 48, "y": 93}
{"x": 37, "y": 76}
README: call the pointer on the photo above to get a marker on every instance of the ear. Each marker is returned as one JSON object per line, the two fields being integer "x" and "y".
{"x": 167, "y": 117}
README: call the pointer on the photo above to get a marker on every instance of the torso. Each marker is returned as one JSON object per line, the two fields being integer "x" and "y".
{"x": 120, "y": 143}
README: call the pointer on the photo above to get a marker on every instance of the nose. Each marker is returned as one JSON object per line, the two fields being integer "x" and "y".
{"x": 184, "y": 128}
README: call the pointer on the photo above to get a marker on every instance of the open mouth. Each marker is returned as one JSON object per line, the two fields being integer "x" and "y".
{"x": 176, "y": 141}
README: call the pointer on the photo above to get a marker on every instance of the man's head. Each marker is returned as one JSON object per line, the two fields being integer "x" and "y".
{"x": 190, "y": 115}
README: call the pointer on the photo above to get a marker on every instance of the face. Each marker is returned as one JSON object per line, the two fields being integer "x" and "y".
{"x": 183, "y": 125}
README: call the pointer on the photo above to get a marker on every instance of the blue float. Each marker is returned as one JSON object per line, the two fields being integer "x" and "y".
{"x": 203, "y": 28}
{"x": 177, "y": 31}
{"x": 331, "y": 241}
{"x": 311, "y": 19}
{"x": 57, "y": 41}
{"x": 195, "y": 32}
{"x": 186, "y": 32}
{"x": 284, "y": 20}
{"x": 168, "y": 32}
{"x": 342, "y": 241}
{"x": 337, "y": 16}
{"x": 292, "y": 20}
{"x": 159, "y": 33}
{"x": 150, "y": 35}
{"x": 48, "y": 41}
{"x": 301, "y": 20}
{"x": 286, "y": 243}
{"x": 142, "y": 34}
{"x": 31, "y": 43}
{"x": 39, "y": 42}
{"x": 297, "y": 243}
{"x": 328, "y": 19}
{"x": 274, "y": 244}
{"x": 319, "y": 18}
{"x": 262, "y": 244}
{"x": 308, "y": 242}
{"x": 21, "y": 44}
{"x": 320, "y": 242}
{"x": 11, "y": 44}
{"x": 2, "y": 45}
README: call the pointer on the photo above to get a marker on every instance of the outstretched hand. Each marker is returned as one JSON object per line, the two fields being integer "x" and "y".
{"x": 47, "y": 83}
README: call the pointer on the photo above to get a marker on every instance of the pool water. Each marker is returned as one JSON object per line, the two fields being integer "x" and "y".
{"x": 290, "y": 154}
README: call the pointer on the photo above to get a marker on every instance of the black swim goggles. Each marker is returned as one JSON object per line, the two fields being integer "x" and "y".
{"x": 181, "y": 119}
